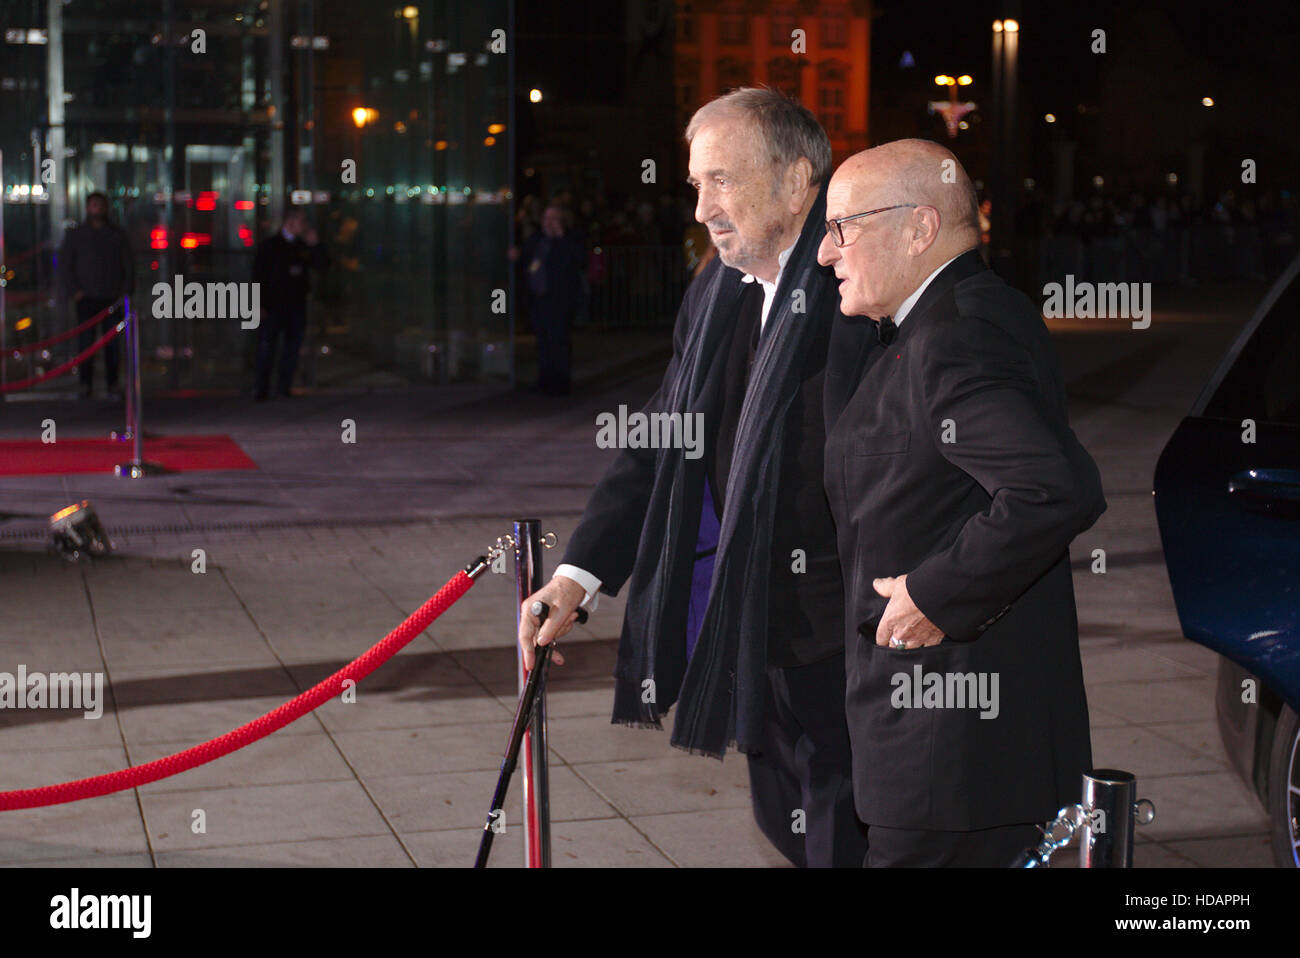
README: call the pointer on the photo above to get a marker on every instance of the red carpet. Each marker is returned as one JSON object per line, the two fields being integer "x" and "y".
{"x": 31, "y": 457}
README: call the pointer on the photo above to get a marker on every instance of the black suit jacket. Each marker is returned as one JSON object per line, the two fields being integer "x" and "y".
{"x": 281, "y": 267}
{"x": 952, "y": 462}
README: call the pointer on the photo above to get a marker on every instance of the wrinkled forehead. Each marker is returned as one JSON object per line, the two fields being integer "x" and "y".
{"x": 726, "y": 144}
{"x": 855, "y": 188}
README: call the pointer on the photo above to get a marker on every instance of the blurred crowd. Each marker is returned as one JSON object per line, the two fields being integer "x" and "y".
{"x": 639, "y": 254}
{"x": 1162, "y": 238}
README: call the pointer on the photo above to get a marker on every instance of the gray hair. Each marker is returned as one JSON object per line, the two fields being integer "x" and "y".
{"x": 787, "y": 127}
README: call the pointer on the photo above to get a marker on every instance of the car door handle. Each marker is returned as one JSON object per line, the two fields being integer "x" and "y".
{"x": 1272, "y": 485}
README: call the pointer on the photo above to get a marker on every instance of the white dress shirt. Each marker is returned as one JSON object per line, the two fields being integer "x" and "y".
{"x": 769, "y": 289}
{"x": 589, "y": 583}
{"x": 911, "y": 300}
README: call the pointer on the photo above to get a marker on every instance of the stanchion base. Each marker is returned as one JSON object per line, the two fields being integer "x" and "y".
{"x": 138, "y": 469}
{"x": 126, "y": 435}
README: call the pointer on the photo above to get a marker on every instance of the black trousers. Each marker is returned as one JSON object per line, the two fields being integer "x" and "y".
{"x": 802, "y": 781}
{"x": 87, "y": 307}
{"x": 917, "y": 848}
{"x": 554, "y": 350}
{"x": 290, "y": 324}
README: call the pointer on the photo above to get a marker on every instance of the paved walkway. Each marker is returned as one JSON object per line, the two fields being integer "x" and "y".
{"x": 327, "y": 546}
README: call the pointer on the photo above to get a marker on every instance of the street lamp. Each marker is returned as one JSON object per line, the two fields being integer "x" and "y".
{"x": 1002, "y": 168}
{"x": 951, "y": 110}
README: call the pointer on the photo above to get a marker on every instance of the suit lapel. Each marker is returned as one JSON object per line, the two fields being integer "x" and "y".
{"x": 855, "y": 347}
{"x": 852, "y": 340}
{"x": 963, "y": 267}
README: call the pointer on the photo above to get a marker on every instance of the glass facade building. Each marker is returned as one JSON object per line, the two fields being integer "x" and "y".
{"x": 203, "y": 122}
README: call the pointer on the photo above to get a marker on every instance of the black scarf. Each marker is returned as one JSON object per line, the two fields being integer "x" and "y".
{"x": 720, "y": 693}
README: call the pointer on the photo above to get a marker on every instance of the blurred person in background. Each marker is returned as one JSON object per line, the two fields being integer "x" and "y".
{"x": 552, "y": 261}
{"x": 97, "y": 270}
{"x": 280, "y": 267}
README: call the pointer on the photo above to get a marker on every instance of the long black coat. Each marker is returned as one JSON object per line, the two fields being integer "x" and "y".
{"x": 981, "y": 526}
{"x": 619, "y": 541}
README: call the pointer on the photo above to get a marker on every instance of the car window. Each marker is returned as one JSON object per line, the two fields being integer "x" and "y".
{"x": 1264, "y": 382}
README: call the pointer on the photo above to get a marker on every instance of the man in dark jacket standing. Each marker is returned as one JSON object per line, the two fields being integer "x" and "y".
{"x": 734, "y": 610}
{"x": 280, "y": 267}
{"x": 97, "y": 270}
{"x": 957, "y": 486}
{"x": 552, "y": 261}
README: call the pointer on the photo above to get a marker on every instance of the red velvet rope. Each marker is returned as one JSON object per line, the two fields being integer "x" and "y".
{"x": 62, "y": 368}
{"x": 68, "y": 334}
{"x": 259, "y": 728}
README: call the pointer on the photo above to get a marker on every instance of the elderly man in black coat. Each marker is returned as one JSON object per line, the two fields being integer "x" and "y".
{"x": 957, "y": 486}
{"x": 734, "y": 610}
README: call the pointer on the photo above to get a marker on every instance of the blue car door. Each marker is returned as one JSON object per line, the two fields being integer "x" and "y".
{"x": 1227, "y": 496}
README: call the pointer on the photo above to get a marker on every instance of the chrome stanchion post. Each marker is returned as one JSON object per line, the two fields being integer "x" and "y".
{"x": 1104, "y": 818}
{"x": 128, "y": 430}
{"x": 136, "y": 468}
{"x": 536, "y": 790}
{"x": 1111, "y": 809}
{"x": 4, "y": 317}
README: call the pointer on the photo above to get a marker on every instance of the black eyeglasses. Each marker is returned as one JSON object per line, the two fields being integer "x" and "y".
{"x": 835, "y": 227}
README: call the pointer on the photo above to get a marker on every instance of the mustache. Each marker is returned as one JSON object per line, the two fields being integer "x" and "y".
{"x": 716, "y": 225}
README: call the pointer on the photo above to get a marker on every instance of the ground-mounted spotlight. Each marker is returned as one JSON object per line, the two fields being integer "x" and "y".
{"x": 75, "y": 531}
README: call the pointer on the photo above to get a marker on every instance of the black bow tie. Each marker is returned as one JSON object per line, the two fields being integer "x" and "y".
{"x": 886, "y": 331}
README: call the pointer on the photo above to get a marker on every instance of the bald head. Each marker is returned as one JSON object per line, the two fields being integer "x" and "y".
{"x": 887, "y": 255}
{"x": 921, "y": 172}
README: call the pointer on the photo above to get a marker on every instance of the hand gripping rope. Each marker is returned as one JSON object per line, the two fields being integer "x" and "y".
{"x": 259, "y": 728}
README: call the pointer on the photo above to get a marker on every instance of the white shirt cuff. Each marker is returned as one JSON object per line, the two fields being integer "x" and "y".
{"x": 589, "y": 583}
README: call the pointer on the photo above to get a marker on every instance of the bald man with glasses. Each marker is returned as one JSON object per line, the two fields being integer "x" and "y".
{"x": 956, "y": 485}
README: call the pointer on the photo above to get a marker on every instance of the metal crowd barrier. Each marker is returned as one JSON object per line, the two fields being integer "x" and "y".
{"x": 1105, "y": 820}
{"x": 536, "y": 777}
{"x": 136, "y": 467}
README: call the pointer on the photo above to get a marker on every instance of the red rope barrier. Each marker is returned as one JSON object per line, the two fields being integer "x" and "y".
{"x": 259, "y": 728}
{"x": 28, "y": 254}
{"x": 68, "y": 334}
{"x": 62, "y": 368}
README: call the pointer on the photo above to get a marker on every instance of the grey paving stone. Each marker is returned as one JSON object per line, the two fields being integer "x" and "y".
{"x": 138, "y": 860}
{"x": 720, "y": 838}
{"x": 1205, "y": 805}
{"x": 34, "y": 768}
{"x": 87, "y": 830}
{"x": 275, "y": 760}
{"x": 1242, "y": 851}
{"x": 1144, "y": 703}
{"x": 34, "y": 731}
{"x": 598, "y": 843}
{"x": 183, "y": 637}
{"x": 1144, "y": 753}
{"x": 254, "y": 814}
{"x": 449, "y": 800}
{"x": 593, "y": 738}
{"x": 676, "y": 783}
{"x": 373, "y": 851}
